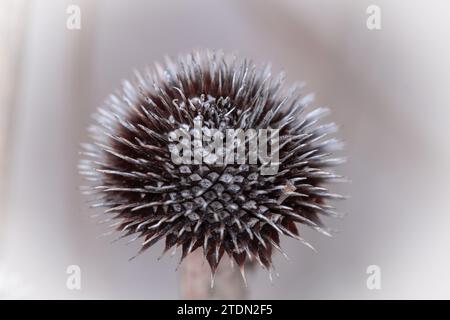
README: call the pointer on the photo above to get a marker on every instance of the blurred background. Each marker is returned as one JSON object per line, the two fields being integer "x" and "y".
{"x": 388, "y": 89}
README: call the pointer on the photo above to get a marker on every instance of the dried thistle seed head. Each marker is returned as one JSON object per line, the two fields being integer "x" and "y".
{"x": 227, "y": 208}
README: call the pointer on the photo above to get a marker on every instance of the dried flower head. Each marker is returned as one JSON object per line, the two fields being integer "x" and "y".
{"x": 229, "y": 208}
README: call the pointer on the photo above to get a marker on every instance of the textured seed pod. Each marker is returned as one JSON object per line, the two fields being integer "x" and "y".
{"x": 229, "y": 208}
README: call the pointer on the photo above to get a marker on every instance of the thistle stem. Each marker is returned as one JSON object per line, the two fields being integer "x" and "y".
{"x": 196, "y": 279}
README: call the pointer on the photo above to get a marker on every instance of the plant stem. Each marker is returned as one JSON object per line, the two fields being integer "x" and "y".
{"x": 196, "y": 279}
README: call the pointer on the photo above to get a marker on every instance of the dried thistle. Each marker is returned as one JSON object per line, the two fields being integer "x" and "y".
{"x": 230, "y": 208}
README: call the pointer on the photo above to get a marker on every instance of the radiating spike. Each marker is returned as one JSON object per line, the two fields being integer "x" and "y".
{"x": 242, "y": 271}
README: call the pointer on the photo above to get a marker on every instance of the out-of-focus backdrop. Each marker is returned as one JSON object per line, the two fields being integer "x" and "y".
{"x": 388, "y": 89}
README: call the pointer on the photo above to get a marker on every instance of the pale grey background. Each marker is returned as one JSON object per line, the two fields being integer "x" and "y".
{"x": 388, "y": 89}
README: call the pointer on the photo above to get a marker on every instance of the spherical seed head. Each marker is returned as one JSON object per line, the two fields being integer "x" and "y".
{"x": 233, "y": 206}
